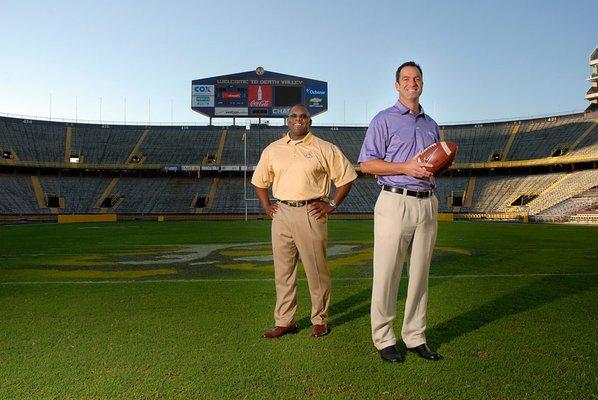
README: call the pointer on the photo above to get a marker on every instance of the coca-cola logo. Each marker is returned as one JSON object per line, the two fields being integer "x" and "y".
{"x": 260, "y": 103}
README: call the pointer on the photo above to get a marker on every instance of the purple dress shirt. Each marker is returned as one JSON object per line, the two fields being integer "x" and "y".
{"x": 396, "y": 135}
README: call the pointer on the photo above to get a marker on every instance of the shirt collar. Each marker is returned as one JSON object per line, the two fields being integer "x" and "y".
{"x": 403, "y": 109}
{"x": 306, "y": 139}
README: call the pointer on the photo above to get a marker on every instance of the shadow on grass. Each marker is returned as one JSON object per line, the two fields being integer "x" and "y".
{"x": 357, "y": 306}
{"x": 536, "y": 294}
{"x": 343, "y": 311}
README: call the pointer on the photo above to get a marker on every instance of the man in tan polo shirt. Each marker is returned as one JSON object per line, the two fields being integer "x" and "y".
{"x": 300, "y": 167}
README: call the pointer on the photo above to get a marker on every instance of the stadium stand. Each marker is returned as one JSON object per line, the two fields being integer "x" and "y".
{"x": 348, "y": 139}
{"x": 542, "y": 138}
{"x": 180, "y": 145}
{"x": 573, "y": 206}
{"x": 17, "y": 196}
{"x": 167, "y": 195}
{"x": 568, "y": 186}
{"x": 478, "y": 143}
{"x": 230, "y": 198}
{"x": 31, "y": 140}
{"x": 533, "y": 180}
{"x": 95, "y": 144}
{"x": 257, "y": 138}
{"x": 78, "y": 193}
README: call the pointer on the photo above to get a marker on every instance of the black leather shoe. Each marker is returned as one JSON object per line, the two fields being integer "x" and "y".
{"x": 425, "y": 352}
{"x": 390, "y": 354}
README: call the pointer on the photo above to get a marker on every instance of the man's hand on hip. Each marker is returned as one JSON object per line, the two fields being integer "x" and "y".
{"x": 319, "y": 209}
{"x": 271, "y": 209}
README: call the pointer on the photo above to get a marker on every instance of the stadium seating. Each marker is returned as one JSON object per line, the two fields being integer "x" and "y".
{"x": 479, "y": 142}
{"x": 173, "y": 145}
{"x": 33, "y": 140}
{"x": 99, "y": 145}
{"x": 538, "y": 139}
{"x": 17, "y": 196}
{"x": 549, "y": 196}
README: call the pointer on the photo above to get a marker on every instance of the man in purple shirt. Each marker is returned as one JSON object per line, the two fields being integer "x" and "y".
{"x": 404, "y": 216}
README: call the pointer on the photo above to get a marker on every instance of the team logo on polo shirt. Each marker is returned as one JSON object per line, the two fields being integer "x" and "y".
{"x": 309, "y": 154}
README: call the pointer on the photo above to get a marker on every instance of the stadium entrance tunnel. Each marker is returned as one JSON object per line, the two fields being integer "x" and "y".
{"x": 524, "y": 199}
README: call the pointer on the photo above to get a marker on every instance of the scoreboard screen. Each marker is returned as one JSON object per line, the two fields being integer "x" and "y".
{"x": 257, "y": 93}
{"x": 287, "y": 96}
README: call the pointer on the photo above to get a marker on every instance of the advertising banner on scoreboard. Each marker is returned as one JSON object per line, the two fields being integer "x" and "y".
{"x": 231, "y": 111}
{"x": 260, "y": 96}
{"x": 202, "y": 96}
{"x": 316, "y": 95}
{"x": 202, "y": 101}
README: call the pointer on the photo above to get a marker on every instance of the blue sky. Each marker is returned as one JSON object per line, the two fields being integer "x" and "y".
{"x": 482, "y": 60}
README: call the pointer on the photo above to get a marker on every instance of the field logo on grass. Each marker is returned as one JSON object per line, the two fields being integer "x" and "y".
{"x": 245, "y": 256}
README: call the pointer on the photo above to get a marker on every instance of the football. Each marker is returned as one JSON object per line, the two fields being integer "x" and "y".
{"x": 440, "y": 155}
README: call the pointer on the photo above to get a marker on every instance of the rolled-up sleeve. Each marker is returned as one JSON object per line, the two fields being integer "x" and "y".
{"x": 374, "y": 144}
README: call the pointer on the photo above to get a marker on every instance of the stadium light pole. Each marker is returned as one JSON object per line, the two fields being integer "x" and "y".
{"x": 149, "y": 110}
{"x": 125, "y": 110}
{"x": 171, "y": 107}
{"x": 50, "y": 107}
{"x": 100, "y": 110}
{"x": 76, "y": 108}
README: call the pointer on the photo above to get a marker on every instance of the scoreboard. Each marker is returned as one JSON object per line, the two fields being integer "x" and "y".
{"x": 257, "y": 94}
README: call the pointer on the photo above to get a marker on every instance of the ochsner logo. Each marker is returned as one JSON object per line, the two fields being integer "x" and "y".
{"x": 315, "y": 92}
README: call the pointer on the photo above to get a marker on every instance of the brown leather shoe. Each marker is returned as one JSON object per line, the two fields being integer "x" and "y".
{"x": 279, "y": 331}
{"x": 320, "y": 330}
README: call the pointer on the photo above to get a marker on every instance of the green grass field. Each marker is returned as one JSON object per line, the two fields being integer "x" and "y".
{"x": 175, "y": 310}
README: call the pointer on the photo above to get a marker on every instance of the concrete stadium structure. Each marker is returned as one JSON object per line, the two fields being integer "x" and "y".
{"x": 543, "y": 169}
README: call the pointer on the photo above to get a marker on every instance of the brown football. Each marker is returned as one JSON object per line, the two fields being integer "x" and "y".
{"x": 440, "y": 155}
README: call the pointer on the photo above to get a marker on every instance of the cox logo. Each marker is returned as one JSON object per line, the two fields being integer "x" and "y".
{"x": 203, "y": 89}
{"x": 312, "y": 91}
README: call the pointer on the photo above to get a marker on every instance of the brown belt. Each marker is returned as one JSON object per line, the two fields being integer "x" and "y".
{"x": 299, "y": 203}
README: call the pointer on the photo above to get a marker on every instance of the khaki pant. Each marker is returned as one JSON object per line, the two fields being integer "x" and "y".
{"x": 402, "y": 222}
{"x": 297, "y": 234}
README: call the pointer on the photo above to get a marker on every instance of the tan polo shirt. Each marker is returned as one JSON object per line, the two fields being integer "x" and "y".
{"x": 302, "y": 169}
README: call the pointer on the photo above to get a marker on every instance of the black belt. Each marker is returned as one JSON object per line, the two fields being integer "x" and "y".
{"x": 299, "y": 203}
{"x": 414, "y": 193}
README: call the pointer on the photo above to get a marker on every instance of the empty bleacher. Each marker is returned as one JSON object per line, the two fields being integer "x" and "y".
{"x": 540, "y": 138}
{"x": 165, "y": 195}
{"x": 477, "y": 143}
{"x": 175, "y": 145}
{"x": 31, "y": 140}
{"x": 17, "y": 195}
{"x": 557, "y": 193}
{"x": 230, "y": 198}
{"x": 586, "y": 202}
{"x": 571, "y": 184}
{"x": 78, "y": 192}
{"x": 104, "y": 145}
